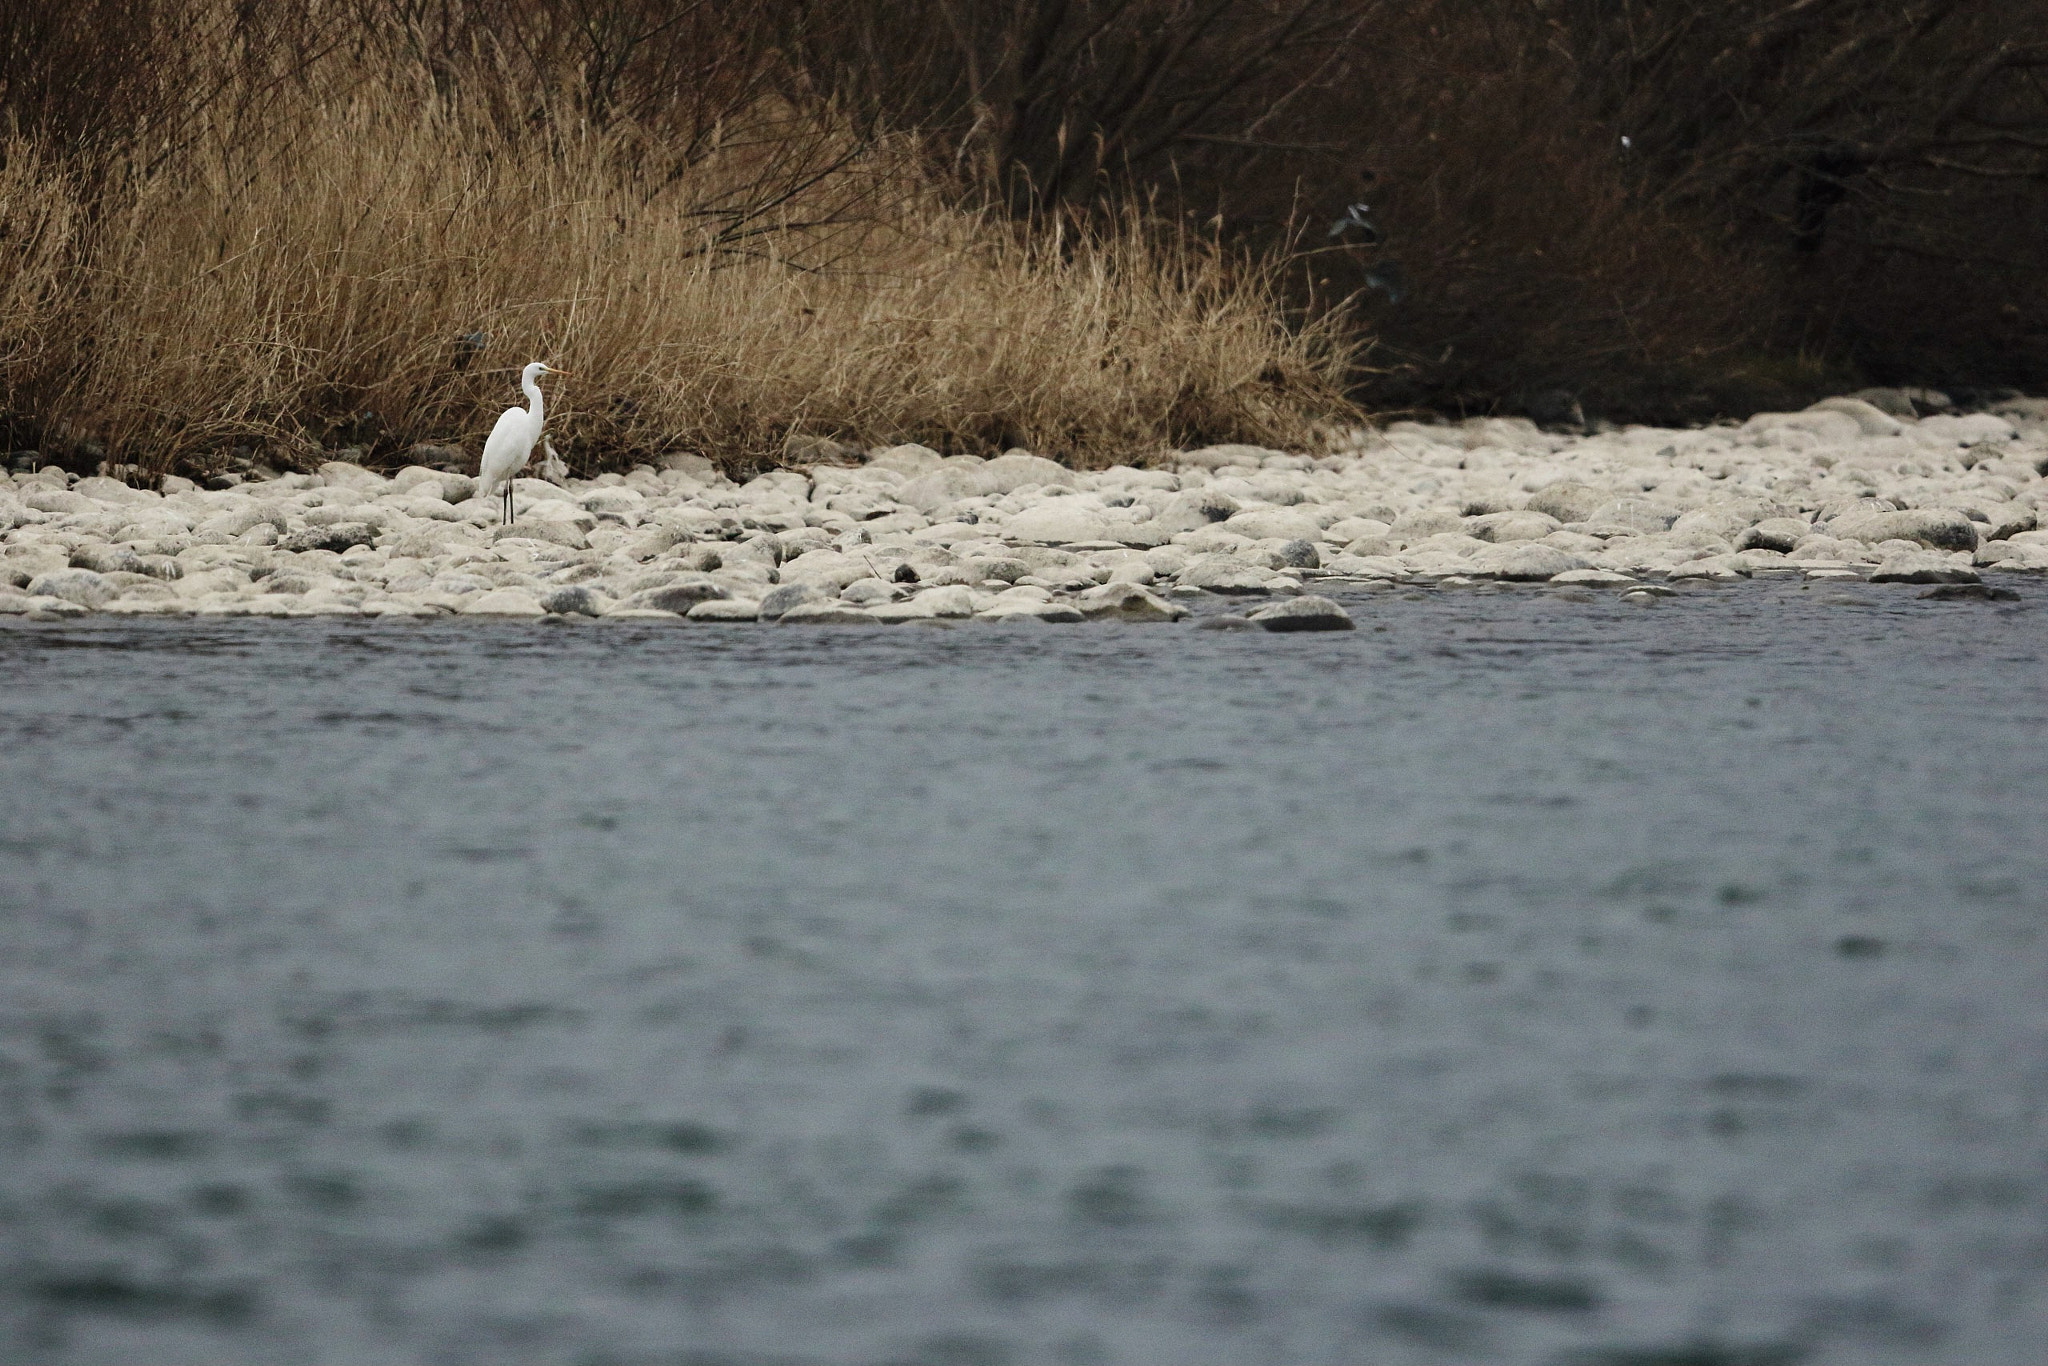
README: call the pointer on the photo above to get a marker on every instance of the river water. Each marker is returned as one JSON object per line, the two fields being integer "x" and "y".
{"x": 1516, "y": 979}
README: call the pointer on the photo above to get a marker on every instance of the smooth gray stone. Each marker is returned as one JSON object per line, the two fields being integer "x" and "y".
{"x": 159, "y": 567}
{"x": 652, "y": 541}
{"x": 1193, "y": 509}
{"x": 1013, "y": 469}
{"x": 575, "y": 598}
{"x": 1057, "y": 522}
{"x": 1529, "y": 561}
{"x": 946, "y": 484}
{"x": 233, "y": 523}
{"x": 1723, "y": 523}
{"x": 781, "y": 599}
{"x": 1298, "y": 554}
{"x": 950, "y": 600}
{"x": 1271, "y": 524}
{"x": 725, "y": 610}
{"x": 1567, "y": 502}
{"x": 1891, "y": 402}
{"x": 677, "y": 597}
{"x": 554, "y": 533}
{"x": 422, "y": 544}
{"x": 338, "y": 537}
{"x": 1008, "y": 568}
{"x": 1774, "y": 533}
{"x": 377, "y": 517}
{"x": 2011, "y": 519}
{"x": 1912, "y": 571}
{"x": 1423, "y": 523}
{"x": 61, "y": 501}
{"x": 868, "y": 592}
{"x": 505, "y": 602}
{"x": 1638, "y": 515}
{"x": 1309, "y": 612}
{"x": 1058, "y": 613}
{"x": 82, "y": 586}
{"x": 1873, "y": 420}
{"x": 761, "y": 549}
{"x": 1503, "y": 528}
{"x": 1129, "y": 602}
{"x": 107, "y": 559}
{"x": 1938, "y": 528}
{"x": 1225, "y": 574}
{"x": 446, "y": 485}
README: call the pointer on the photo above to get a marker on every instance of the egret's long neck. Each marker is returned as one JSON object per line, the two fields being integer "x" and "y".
{"x": 533, "y": 392}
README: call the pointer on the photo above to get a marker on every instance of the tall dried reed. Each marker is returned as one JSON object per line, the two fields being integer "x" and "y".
{"x": 41, "y": 219}
{"x": 796, "y": 282}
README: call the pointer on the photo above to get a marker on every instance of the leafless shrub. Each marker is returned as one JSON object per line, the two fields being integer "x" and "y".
{"x": 684, "y": 69}
{"x": 1677, "y": 206}
{"x": 1071, "y": 102}
{"x": 88, "y": 79}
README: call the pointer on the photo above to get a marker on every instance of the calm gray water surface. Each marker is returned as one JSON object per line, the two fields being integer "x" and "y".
{"x": 1513, "y": 980}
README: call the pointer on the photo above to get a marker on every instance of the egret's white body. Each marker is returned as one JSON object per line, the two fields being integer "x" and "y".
{"x": 512, "y": 439}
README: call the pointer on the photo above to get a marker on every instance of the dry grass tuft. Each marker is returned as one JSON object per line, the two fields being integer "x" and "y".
{"x": 790, "y": 281}
{"x": 40, "y": 221}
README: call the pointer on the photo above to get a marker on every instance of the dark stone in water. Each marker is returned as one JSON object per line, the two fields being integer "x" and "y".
{"x": 1970, "y": 592}
{"x": 1498, "y": 1289}
{"x": 1701, "y": 1353}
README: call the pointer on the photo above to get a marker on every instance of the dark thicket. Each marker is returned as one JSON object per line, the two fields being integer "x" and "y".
{"x": 1070, "y": 102}
{"x": 1671, "y": 207}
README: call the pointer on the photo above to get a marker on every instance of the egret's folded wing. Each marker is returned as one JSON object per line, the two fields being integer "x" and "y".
{"x": 505, "y": 451}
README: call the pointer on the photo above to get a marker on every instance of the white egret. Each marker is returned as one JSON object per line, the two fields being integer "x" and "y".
{"x": 511, "y": 442}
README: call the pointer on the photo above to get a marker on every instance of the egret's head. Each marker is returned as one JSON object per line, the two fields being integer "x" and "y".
{"x": 537, "y": 369}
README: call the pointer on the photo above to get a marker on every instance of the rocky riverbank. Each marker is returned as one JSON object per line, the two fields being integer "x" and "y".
{"x": 1857, "y": 488}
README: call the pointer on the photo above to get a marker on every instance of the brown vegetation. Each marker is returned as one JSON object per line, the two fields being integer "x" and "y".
{"x": 1094, "y": 227}
{"x": 735, "y": 278}
{"x": 236, "y": 299}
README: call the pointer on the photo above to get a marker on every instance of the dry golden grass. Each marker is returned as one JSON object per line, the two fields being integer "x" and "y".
{"x": 40, "y": 221}
{"x": 792, "y": 282}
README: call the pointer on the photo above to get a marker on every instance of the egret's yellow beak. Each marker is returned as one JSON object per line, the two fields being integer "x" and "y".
{"x": 553, "y": 371}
